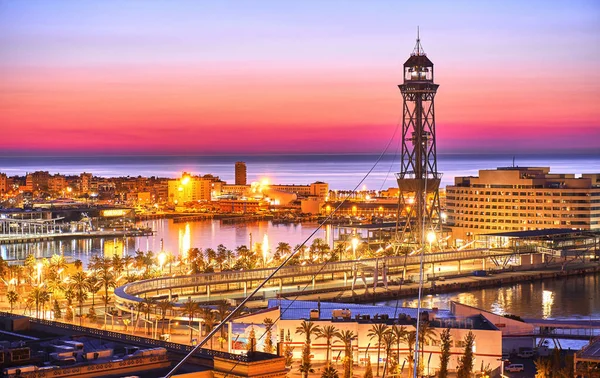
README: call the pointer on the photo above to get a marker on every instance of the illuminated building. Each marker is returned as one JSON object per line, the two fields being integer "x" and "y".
{"x": 85, "y": 185}
{"x": 240, "y": 173}
{"x": 38, "y": 181}
{"x": 522, "y": 198}
{"x": 189, "y": 188}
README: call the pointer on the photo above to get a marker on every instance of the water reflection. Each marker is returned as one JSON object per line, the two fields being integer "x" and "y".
{"x": 574, "y": 297}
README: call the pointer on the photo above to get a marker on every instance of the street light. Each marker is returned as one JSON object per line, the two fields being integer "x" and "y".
{"x": 162, "y": 257}
{"x": 39, "y": 272}
{"x": 431, "y": 238}
{"x": 354, "y": 245}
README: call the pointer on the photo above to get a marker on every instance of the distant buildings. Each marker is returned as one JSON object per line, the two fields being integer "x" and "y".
{"x": 522, "y": 198}
{"x": 240, "y": 173}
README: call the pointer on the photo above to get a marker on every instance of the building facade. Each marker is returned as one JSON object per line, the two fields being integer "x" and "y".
{"x": 240, "y": 173}
{"x": 522, "y": 198}
{"x": 189, "y": 188}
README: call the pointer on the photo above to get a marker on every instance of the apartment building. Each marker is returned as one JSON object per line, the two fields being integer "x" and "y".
{"x": 522, "y": 198}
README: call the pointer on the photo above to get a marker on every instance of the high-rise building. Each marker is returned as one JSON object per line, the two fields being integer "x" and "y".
{"x": 240, "y": 173}
{"x": 522, "y": 198}
{"x": 3, "y": 183}
{"x": 86, "y": 182}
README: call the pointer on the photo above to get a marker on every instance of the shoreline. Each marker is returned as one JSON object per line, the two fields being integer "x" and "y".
{"x": 454, "y": 284}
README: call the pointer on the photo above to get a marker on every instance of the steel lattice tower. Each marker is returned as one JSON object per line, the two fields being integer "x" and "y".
{"x": 418, "y": 180}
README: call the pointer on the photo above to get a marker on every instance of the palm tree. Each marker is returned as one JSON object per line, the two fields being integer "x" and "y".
{"x": 223, "y": 309}
{"x": 164, "y": 306}
{"x": 127, "y": 263}
{"x": 346, "y": 338}
{"x": 12, "y": 297}
{"x": 147, "y": 306}
{"x": 327, "y": 333}
{"x": 38, "y": 295}
{"x": 283, "y": 249}
{"x": 117, "y": 264}
{"x": 94, "y": 285}
{"x": 107, "y": 279}
{"x": 399, "y": 334}
{"x": 80, "y": 285}
{"x": 543, "y": 368}
{"x": 139, "y": 307}
{"x": 307, "y": 329}
{"x": 208, "y": 316}
{"x": 426, "y": 335}
{"x": 410, "y": 338}
{"x": 377, "y": 331}
{"x": 390, "y": 362}
{"x": 190, "y": 308}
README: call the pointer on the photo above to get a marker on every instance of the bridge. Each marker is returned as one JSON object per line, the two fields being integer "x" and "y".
{"x": 237, "y": 283}
{"x": 556, "y": 329}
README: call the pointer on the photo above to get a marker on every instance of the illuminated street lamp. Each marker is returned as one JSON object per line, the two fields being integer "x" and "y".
{"x": 354, "y": 245}
{"x": 39, "y": 272}
{"x": 162, "y": 257}
{"x": 265, "y": 249}
{"x": 431, "y": 239}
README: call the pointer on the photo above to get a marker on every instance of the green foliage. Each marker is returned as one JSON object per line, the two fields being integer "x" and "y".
{"x": 465, "y": 363}
{"x": 288, "y": 351}
{"x": 445, "y": 343}
{"x": 543, "y": 367}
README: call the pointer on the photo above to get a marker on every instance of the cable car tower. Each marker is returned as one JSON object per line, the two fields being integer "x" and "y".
{"x": 418, "y": 180}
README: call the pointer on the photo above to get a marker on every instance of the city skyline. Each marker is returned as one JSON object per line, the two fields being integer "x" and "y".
{"x": 202, "y": 78}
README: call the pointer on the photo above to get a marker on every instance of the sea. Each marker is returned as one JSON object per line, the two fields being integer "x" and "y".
{"x": 341, "y": 172}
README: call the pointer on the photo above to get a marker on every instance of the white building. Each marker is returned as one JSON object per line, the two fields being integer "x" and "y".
{"x": 488, "y": 337}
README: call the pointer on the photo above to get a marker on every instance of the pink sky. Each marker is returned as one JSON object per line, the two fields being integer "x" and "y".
{"x": 78, "y": 85}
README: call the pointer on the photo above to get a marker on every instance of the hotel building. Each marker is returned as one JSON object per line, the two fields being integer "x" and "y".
{"x": 522, "y": 198}
{"x": 189, "y": 188}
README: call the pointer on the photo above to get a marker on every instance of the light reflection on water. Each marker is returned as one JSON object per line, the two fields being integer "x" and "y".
{"x": 574, "y": 298}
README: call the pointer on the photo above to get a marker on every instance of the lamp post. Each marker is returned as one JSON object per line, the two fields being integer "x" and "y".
{"x": 39, "y": 267}
{"x": 161, "y": 261}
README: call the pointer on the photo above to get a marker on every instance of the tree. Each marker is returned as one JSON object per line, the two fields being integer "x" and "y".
{"x": 69, "y": 314}
{"x": 39, "y": 296}
{"x": 56, "y": 310}
{"x": 208, "y": 316}
{"x": 329, "y": 372}
{"x": 147, "y": 306}
{"x": 543, "y": 367}
{"x": 465, "y": 363}
{"x": 190, "y": 308}
{"x": 12, "y": 297}
{"x": 377, "y": 332}
{"x": 268, "y": 348}
{"x": 79, "y": 283}
{"x": 307, "y": 329}
{"x": 346, "y": 338}
{"x": 410, "y": 339}
{"x": 288, "y": 351}
{"x": 164, "y": 306}
{"x": 391, "y": 363}
{"x": 399, "y": 335}
{"x": 78, "y": 264}
{"x": 107, "y": 280}
{"x": 368, "y": 370}
{"x": 445, "y": 343}
{"x": 327, "y": 333}
{"x": 426, "y": 335}
{"x": 223, "y": 309}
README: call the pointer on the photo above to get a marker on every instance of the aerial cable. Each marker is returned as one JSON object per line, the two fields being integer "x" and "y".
{"x": 276, "y": 270}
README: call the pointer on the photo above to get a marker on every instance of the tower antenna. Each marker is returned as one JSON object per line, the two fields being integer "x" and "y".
{"x": 418, "y": 51}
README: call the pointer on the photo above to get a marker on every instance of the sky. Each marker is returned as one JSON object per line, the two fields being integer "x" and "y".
{"x": 259, "y": 77}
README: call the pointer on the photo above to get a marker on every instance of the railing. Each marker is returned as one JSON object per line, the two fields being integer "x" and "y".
{"x": 123, "y": 337}
{"x": 129, "y": 292}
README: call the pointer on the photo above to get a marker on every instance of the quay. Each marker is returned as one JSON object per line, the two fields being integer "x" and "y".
{"x": 30, "y": 238}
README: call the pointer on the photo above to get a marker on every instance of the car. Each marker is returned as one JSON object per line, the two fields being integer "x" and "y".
{"x": 515, "y": 368}
{"x": 526, "y": 354}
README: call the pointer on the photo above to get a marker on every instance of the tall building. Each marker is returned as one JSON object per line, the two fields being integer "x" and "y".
{"x": 38, "y": 181}
{"x": 522, "y": 198}
{"x": 3, "y": 183}
{"x": 86, "y": 182}
{"x": 418, "y": 180}
{"x": 240, "y": 173}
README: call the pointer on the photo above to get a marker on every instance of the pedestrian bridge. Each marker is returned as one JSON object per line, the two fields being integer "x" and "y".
{"x": 241, "y": 281}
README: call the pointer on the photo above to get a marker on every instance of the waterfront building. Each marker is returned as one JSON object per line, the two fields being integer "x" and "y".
{"x": 240, "y": 173}
{"x": 243, "y": 206}
{"x": 360, "y": 319}
{"x": 522, "y": 198}
{"x": 57, "y": 185}
{"x": 37, "y": 181}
